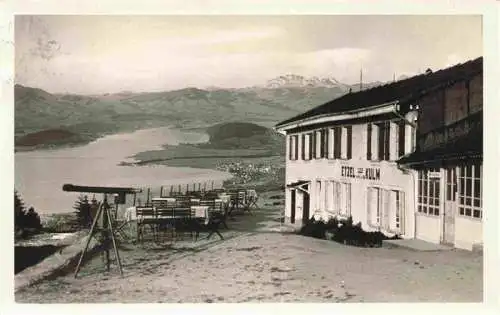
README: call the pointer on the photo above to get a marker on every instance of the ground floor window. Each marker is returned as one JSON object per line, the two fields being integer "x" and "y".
{"x": 470, "y": 190}
{"x": 386, "y": 209}
{"x": 428, "y": 192}
{"x": 338, "y": 198}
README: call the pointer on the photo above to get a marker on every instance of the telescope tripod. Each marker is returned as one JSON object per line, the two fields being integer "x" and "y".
{"x": 107, "y": 233}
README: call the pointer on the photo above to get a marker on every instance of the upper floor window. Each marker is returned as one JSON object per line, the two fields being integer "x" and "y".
{"x": 307, "y": 146}
{"x": 340, "y": 142}
{"x": 319, "y": 143}
{"x": 293, "y": 148}
{"x": 386, "y": 141}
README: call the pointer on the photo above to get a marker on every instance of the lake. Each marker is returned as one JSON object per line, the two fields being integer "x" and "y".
{"x": 40, "y": 175}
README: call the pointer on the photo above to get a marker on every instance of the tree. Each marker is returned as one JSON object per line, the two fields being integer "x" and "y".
{"x": 25, "y": 222}
{"x": 19, "y": 212}
{"x": 82, "y": 207}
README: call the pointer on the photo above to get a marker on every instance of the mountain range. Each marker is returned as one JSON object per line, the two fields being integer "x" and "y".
{"x": 91, "y": 116}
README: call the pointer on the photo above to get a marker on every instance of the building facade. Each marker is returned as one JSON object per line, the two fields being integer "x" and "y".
{"x": 448, "y": 161}
{"x": 360, "y": 156}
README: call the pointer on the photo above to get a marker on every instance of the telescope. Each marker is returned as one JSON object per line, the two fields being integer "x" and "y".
{"x": 107, "y": 229}
{"x": 101, "y": 190}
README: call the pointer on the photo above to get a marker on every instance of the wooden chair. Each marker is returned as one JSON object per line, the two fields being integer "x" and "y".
{"x": 165, "y": 218}
{"x": 183, "y": 201}
{"x": 209, "y": 223}
{"x": 145, "y": 216}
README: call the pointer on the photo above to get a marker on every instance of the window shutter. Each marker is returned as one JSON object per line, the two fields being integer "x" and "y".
{"x": 369, "y": 141}
{"x": 303, "y": 147}
{"x": 311, "y": 146}
{"x": 401, "y": 138}
{"x": 369, "y": 202}
{"x": 326, "y": 143}
{"x": 290, "y": 147}
{"x": 338, "y": 139}
{"x": 296, "y": 157}
{"x": 387, "y": 142}
{"x": 349, "y": 142}
{"x": 381, "y": 137}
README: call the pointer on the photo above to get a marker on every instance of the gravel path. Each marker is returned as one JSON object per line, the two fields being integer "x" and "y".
{"x": 254, "y": 264}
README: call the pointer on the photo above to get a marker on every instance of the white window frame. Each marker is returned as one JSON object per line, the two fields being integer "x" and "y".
{"x": 307, "y": 146}
{"x": 470, "y": 205}
{"x": 319, "y": 141}
{"x": 331, "y": 143}
{"x": 292, "y": 147}
{"x": 428, "y": 203}
{"x": 381, "y": 214}
{"x": 374, "y": 218}
{"x": 338, "y": 197}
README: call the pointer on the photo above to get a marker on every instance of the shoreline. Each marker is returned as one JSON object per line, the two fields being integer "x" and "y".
{"x": 94, "y": 137}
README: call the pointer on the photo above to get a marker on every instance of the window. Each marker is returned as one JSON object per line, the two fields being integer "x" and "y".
{"x": 396, "y": 211}
{"x": 401, "y": 138}
{"x": 293, "y": 150}
{"x": 469, "y": 190}
{"x": 374, "y": 206}
{"x": 341, "y": 142}
{"x": 451, "y": 184}
{"x": 386, "y": 209}
{"x": 330, "y": 139}
{"x": 307, "y": 146}
{"x": 428, "y": 193}
{"x": 383, "y": 141}
{"x": 399, "y": 208}
{"x": 339, "y": 198}
{"x": 319, "y": 145}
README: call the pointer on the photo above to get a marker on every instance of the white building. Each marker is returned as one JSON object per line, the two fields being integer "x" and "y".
{"x": 342, "y": 158}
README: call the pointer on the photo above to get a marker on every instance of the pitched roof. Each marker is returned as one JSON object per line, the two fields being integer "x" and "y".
{"x": 403, "y": 91}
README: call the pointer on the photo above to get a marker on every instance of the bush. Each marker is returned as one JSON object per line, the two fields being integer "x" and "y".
{"x": 25, "y": 222}
{"x": 314, "y": 228}
{"x": 345, "y": 232}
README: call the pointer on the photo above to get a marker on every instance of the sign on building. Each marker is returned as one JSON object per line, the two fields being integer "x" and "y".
{"x": 360, "y": 172}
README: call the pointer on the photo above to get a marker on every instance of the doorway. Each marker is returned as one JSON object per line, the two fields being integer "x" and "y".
{"x": 292, "y": 204}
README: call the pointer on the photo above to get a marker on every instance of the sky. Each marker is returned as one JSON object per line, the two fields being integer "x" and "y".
{"x": 86, "y": 54}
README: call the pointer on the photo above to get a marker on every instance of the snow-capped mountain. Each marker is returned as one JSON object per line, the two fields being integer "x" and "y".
{"x": 293, "y": 80}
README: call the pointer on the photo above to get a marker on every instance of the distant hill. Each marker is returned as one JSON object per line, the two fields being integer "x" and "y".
{"x": 243, "y": 135}
{"x": 93, "y": 116}
{"x": 224, "y": 131}
{"x": 48, "y": 137}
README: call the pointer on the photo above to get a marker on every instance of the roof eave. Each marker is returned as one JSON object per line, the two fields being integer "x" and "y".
{"x": 357, "y": 113}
